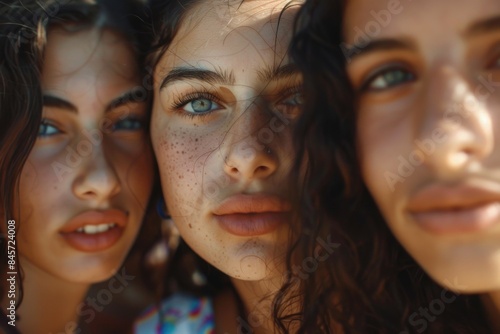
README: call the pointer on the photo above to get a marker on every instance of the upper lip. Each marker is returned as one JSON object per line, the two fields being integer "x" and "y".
{"x": 441, "y": 197}
{"x": 96, "y": 217}
{"x": 255, "y": 203}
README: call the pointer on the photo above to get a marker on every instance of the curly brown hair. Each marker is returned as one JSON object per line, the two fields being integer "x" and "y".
{"x": 369, "y": 284}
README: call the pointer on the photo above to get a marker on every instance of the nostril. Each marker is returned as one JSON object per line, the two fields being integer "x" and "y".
{"x": 261, "y": 169}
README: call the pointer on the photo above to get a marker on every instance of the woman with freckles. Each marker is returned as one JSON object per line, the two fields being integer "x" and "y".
{"x": 422, "y": 231}
{"x": 225, "y": 97}
{"x": 76, "y": 164}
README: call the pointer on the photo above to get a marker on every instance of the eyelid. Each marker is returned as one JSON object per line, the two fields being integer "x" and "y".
{"x": 46, "y": 121}
{"x": 183, "y": 99}
{"x": 290, "y": 91}
{"x": 380, "y": 70}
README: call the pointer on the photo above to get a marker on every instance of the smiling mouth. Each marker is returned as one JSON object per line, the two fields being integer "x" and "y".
{"x": 93, "y": 229}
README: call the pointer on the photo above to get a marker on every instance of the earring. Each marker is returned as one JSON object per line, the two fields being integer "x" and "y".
{"x": 268, "y": 150}
{"x": 162, "y": 251}
{"x": 160, "y": 208}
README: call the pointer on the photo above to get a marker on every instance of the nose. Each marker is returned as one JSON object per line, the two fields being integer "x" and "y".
{"x": 249, "y": 146}
{"x": 97, "y": 180}
{"x": 456, "y": 123}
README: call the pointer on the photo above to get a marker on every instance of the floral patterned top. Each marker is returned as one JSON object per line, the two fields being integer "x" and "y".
{"x": 178, "y": 314}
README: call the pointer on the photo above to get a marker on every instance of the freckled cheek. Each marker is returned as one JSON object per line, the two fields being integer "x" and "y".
{"x": 183, "y": 157}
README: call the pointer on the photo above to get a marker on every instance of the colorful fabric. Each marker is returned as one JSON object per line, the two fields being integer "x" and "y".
{"x": 179, "y": 314}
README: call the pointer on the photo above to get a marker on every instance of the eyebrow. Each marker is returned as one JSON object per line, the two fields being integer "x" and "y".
{"x": 378, "y": 45}
{"x": 189, "y": 73}
{"x": 278, "y": 73}
{"x": 127, "y": 97}
{"x": 488, "y": 25}
{"x": 57, "y": 102}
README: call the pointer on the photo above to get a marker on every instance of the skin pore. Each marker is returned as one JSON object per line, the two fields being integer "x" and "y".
{"x": 427, "y": 115}
{"x": 225, "y": 98}
{"x": 91, "y": 164}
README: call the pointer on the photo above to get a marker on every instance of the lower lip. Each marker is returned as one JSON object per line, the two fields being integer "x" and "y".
{"x": 93, "y": 242}
{"x": 473, "y": 219}
{"x": 252, "y": 224}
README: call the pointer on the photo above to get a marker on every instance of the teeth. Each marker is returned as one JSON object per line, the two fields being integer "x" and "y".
{"x": 93, "y": 229}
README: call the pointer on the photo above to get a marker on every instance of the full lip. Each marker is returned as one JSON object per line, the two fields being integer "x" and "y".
{"x": 249, "y": 203}
{"x": 96, "y": 217}
{"x": 465, "y": 207}
{"x": 95, "y": 241}
{"x": 251, "y": 214}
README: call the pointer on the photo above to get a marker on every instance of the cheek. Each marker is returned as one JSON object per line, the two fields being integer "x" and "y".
{"x": 366, "y": 145}
{"x": 187, "y": 163}
{"x": 135, "y": 170}
{"x": 39, "y": 187}
{"x": 177, "y": 156}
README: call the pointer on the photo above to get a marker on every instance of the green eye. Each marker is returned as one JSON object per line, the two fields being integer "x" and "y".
{"x": 389, "y": 78}
{"x": 199, "y": 106}
{"x": 46, "y": 129}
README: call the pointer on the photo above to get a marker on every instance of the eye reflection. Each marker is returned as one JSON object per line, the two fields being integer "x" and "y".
{"x": 202, "y": 105}
{"x": 46, "y": 129}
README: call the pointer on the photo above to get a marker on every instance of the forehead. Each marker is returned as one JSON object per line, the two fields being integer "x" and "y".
{"x": 233, "y": 33}
{"x": 100, "y": 55}
{"x": 428, "y": 19}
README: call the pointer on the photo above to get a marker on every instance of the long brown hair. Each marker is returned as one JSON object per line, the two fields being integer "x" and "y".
{"x": 369, "y": 284}
{"x": 23, "y": 30}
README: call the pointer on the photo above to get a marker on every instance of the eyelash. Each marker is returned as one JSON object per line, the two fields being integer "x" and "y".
{"x": 137, "y": 120}
{"x": 182, "y": 101}
{"x": 287, "y": 94}
{"x": 44, "y": 123}
{"x": 379, "y": 73}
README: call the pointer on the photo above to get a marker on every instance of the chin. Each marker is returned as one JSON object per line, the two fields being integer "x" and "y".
{"x": 93, "y": 271}
{"x": 466, "y": 277}
{"x": 253, "y": 268}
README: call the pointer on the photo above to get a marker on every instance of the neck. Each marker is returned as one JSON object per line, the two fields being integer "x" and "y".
{"x": 258, "y": 303}
{"x": 492, "y": 306}
{"x": 50, "y": 304}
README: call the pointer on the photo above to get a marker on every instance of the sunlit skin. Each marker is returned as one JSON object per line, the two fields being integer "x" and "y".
{"x": 92, "y": 154}
{"x": 428, "y": 85}
{"x": 227, "y": 131}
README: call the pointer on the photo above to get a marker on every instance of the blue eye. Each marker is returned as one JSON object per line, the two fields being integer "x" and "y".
{"x": 389, "y": 78}
{"x": 46, "y": 129}
{"x": 201, "y": 106}
{"x": 292, "y": 104}
{"x": 296, "y": 100}
{"x": 128, "y": 124}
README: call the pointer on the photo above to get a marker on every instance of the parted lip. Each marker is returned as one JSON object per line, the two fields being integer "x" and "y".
{"x": 96, "y": 217}
{"x": 441, "y": 197}
{"x": 251, "y": 203}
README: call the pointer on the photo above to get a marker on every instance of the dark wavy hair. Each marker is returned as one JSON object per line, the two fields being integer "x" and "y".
{"x": 167, "y": 17}
{"x": 369, "y": 284}
{"x": 23, "y": 32}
